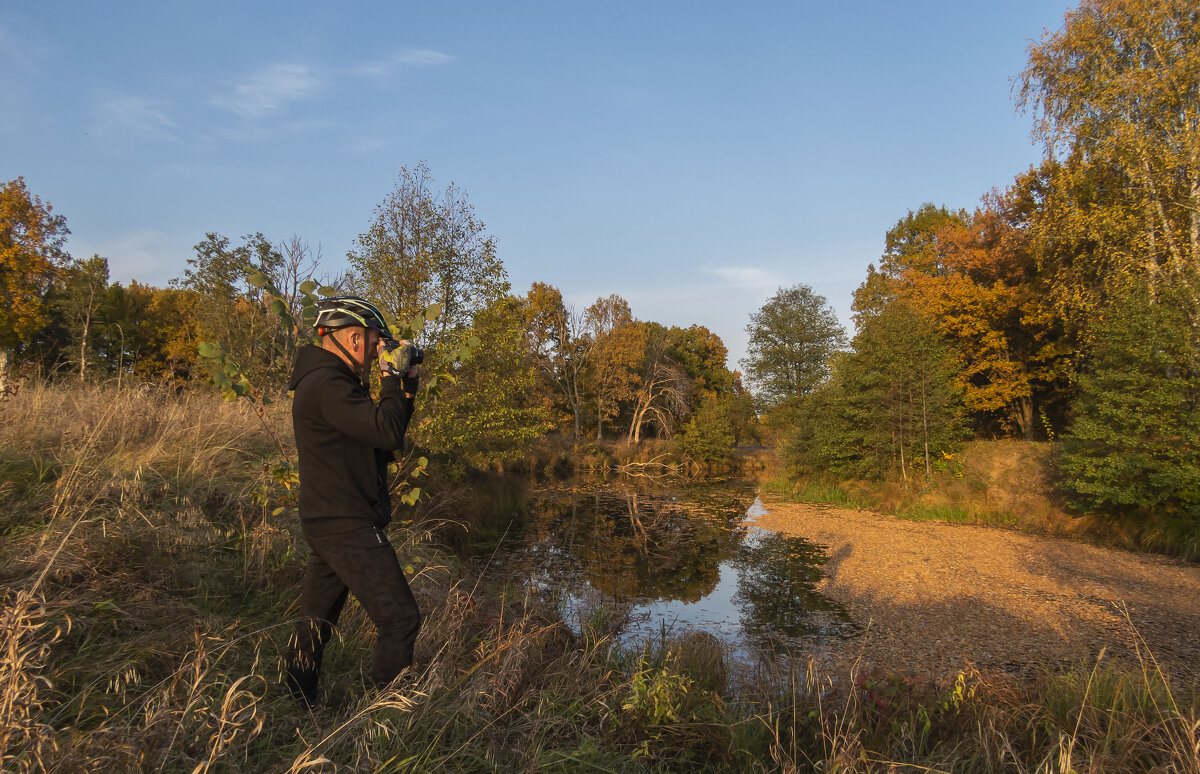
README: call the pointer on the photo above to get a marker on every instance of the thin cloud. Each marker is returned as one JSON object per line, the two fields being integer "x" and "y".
{"x": 270, "y": 89}
{"x": 745, "y": 277}
{"x": 409, "y": 57}
{"x": 127, "y": 113}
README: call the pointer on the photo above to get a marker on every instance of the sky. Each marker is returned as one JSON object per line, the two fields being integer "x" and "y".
{"x": 691, "y": 156}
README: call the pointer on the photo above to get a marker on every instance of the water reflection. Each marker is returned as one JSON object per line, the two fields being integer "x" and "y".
{"x": 679, "y": 559}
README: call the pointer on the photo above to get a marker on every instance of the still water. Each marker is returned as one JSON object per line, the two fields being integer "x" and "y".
{"x": 669, "y": 560}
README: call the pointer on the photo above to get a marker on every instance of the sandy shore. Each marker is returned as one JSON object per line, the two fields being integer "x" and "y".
{"x": 933, "y": 597}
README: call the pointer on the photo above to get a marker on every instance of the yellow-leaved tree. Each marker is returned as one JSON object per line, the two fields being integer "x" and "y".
{"x": 31, "y": 254}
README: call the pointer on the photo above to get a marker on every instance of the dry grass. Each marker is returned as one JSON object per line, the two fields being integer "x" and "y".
{"x": 147, "y": 598}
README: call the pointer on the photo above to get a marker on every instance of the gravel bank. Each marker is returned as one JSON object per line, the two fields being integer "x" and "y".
{"x": 934, "y": 597}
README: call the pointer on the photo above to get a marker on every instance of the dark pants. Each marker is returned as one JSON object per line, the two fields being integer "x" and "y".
{"x": 364, "y": 563}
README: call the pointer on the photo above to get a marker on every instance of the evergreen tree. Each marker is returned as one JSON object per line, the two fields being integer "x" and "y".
{"x": 891, "y": 407}
{"x": 1134, "y": 444}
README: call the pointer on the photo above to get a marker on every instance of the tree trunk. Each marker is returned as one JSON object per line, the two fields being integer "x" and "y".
{"x": 925, "y": 427}
{"x": 87, "y": 321}
{"x": 1023, "y": 413}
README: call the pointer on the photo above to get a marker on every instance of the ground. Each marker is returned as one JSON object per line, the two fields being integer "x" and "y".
{"x": 931, "y": 597}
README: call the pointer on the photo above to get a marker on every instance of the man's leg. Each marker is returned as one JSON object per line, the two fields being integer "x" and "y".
{"x": 367, "y": 563}
{"x": 322, "y": 596}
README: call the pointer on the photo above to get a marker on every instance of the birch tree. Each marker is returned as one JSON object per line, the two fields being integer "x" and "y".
{"x": 1118, "y": 89}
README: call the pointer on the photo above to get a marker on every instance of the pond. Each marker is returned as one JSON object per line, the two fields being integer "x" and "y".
{"x": 665, "y": 560}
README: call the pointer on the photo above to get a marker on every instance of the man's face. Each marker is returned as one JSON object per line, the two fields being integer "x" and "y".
{"x": 372, "y": 346}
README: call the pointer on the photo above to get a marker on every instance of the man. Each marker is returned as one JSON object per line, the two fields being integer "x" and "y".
{"x": 345, "y": 441}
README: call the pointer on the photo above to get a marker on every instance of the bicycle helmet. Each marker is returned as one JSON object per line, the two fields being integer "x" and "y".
{"x": 347, "y": 311}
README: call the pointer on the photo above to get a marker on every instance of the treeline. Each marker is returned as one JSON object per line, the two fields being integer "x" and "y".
{"x": 538, "y": 366}
{"x": 1066, "y": 306}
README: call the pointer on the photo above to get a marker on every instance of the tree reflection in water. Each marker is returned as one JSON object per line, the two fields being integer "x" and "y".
{"x": 777, "y": 577}
{"x": 659, "y": 554}
{"x": 634, "y": 544}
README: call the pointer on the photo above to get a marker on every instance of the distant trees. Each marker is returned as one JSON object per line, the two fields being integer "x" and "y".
{"x": 83, "y": 299}
{"x": 514, "y": 368}
{"x": 614, "y": 359}
{"x": 559, "y": 348}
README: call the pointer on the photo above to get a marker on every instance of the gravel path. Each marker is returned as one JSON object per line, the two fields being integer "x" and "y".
{"x": 937, "y": 596}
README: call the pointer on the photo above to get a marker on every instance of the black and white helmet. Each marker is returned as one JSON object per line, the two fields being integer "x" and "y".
{"x": 346, "y": 311}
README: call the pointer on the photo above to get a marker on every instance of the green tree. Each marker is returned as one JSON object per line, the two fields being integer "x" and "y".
{"x": 230, "y": 309}
{"x": 792, "y": 338}
{"x": 426, "y": 247}
{"x": 486, "y": 413}
{"x": 1133, "y": 446}
{"x": 892, "y": 405}
{"x": 708, "y": 434}
{"x": 702, "y": 356}
{"x": 31, "y": 255}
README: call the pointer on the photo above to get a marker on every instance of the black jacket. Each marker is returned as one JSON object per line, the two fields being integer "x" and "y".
{"x": 345, "y": 441}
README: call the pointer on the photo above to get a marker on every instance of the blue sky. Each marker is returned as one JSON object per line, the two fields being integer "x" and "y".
{"x": 690, "y": 156}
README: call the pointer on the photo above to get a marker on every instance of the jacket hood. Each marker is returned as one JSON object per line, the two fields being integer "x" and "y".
{"x": 311, "y": 358}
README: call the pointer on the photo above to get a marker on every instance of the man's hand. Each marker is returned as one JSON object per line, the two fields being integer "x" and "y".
{"x": 388, "y": 359}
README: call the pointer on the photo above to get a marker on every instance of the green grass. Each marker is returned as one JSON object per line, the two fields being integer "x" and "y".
{"x": 817, "y": 491}
{"x": 924, "y": 512}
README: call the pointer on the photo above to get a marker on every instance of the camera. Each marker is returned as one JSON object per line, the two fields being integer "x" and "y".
{"x": 400, "y": 356}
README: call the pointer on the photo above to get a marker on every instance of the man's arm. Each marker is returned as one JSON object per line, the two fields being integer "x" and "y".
{"x": 347, "y": 407}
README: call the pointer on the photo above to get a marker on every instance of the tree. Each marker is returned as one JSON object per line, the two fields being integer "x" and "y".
{"x": 892, "y": 403}
{"x": 792, "y": 338}
{"x": 230, "y": 309}
{"x": 427, "y": 248}
{"x": 1115, "y": 95}
{"x": 486, "y": 414}
{"x": 975, "y": 278}
{"x": 702, "y": 356}
{"x": 708, "y": 434}
{"x": 31, "y": 254}
{"x": 615, "y": 359}
{"x": 86, "y": 286}
{"x": 559, "y": 347}
{"x": 153, "y": 332}
{"x": 1133, "y": 447}
{"x": 661, "y": 387}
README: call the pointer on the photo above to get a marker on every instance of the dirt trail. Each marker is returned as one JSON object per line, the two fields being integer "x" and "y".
{"x": 939, "y": 595}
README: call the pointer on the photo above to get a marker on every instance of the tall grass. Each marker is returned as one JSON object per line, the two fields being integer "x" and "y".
{"x": 148, "y": 596}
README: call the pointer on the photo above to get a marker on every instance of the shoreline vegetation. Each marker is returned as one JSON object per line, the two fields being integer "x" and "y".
{"x": 148, "y": 592}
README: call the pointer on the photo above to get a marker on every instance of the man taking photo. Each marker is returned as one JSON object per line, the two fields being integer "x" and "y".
{"x": 345, "y": 441}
